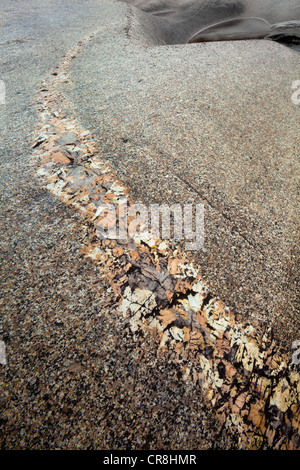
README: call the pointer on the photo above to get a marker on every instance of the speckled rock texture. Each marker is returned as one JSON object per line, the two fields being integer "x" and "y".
{"x": 72, "y": 376}
{"x": 210, "y": 123}
{"x": 136, "y": 345}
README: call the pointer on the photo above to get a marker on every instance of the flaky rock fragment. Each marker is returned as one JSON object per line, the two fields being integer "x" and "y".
{"x": 283, "y": 396}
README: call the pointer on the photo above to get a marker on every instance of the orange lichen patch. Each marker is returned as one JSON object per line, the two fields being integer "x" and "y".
{"x": 118, "y": 251}
{"x": 109, "y": 198}
{"x": 59, "y": 157}
{"x": 256, "y": 413}
{"x": 174, "y": 265}
{"x": 181, "y": 313}
{"x": 117, "y": 288}
{"x": 201, "y": 320}
{"x": 230, "y": 370}
{"x": 183, "y": 286}
{"x": 196, "y": 340}
{"x": 187, "y": 333}
{"x": 45, "y": 159}
{"x": 223, "y": 344}
{"x": 178, "y": 348}
{"x": 107, "y": 178}
{"x": 99, "y": 190}
{"x": 127, "y": 267}
{"x": 169, "y": 295}
{"x": 239, "y": 402}
{"x": 134, "y": 255}
{"x": 49, "y": 146}
{"x": 167, "y": 317}
{"x": 97, "y": 181}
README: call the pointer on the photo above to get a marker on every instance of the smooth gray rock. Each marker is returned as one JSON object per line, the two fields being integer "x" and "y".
{"x": 183, "y": 19}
